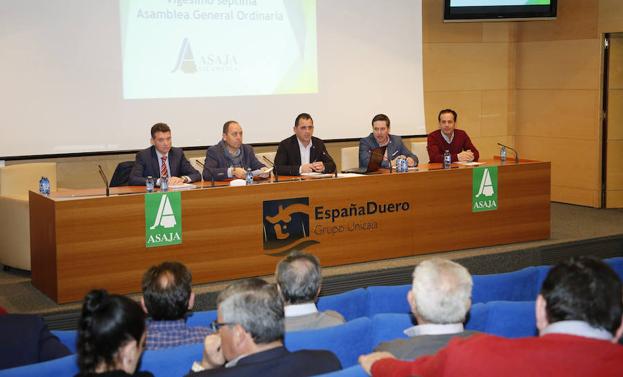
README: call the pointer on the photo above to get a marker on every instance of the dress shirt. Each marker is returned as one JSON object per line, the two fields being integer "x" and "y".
{"x": 448, "y": 139}
{"x": 578, "y": 328}
{"x": 434, "y": 329}
{"x": 300, "y": 309}
{"x": 160, "y": 155}
{"x": 165, "y": 334}
{"x": 305, "y": 153}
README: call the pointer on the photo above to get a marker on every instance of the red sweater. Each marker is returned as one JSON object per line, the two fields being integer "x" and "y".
{"x": 487, "y": 355}
{"x": 437, "y": 145}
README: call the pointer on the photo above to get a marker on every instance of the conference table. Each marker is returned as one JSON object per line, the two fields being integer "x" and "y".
{"x": 83, "y": 239}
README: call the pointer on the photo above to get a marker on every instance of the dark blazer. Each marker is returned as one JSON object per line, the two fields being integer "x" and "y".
{"x": 216, "y": 164}
{"x": 278, "y": 362}
{"x": 27, "y": 340}
{"x": 288, "y": 158}
{"x": 146, "y": 164}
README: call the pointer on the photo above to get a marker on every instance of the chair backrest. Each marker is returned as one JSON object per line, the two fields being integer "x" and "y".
{"x": 68, "y": 338}
{"x": 65, "y": 366}
{"x": 203, "y": 318}
{"x": 354, "y": 371}
{"x": 175, "y": 361}
{"x": 388, "y": 299}
{"x": 263, "y": 156}
{"x": 511, "y": 319}
{"x": 616, "y": 264}
{"x": 121, "y": 176}
{"x": 347, "y": 341}
{"x": 197, "y": 163}
{"x": 17, "y": 180}
{"x": 419, "y": 149}
{"x": 521, "y": 285}
{"x": 390, "y": 326}
{"x": 350, "y": 157}
{"x": 352, "y": 304}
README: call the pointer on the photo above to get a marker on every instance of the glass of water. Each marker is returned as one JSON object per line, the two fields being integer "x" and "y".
{"x": 150, "y": 183}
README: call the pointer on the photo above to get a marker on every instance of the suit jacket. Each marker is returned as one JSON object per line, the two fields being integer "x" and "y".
{"x": 146, "y": 164}
{"x": 288, "y": 158}
{"x": 278, "y": 362}
{"x": 420, "y": 345}
{"x": 27, "y": 340}
{"x": 216, "y": 164}
{"x": 395, "y": 148}
{"x": 317, "y": 320}
{"x": 486, "y": 355}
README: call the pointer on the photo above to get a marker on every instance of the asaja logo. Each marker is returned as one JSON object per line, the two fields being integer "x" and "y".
{"x": 204, "y": 62}
{"x": 485, "y": 189}
{"x": 286, "y": 225}
{"x": 185, "y": 59}
{"x": 163, "y": 219}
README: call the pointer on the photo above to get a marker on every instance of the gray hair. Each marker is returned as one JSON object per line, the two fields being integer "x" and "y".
{"x": 256, "y": 306}
{"x": 442, "y": 291}
{"x": 299, "y": 277}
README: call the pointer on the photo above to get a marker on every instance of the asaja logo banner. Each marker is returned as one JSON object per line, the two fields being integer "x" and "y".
{"x": 163, "y": 219}
{"x": 485, "y": 189}
{"x": 285, "y": 224}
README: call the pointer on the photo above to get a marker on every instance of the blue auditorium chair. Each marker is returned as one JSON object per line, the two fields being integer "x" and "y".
{"x": 347, "y": 341}
{"x": 388, "y": 299}
{"x": 203, "y": 318}
{"x": 354, "y": 371}
{"x": 390, "y": 326}
{"x": 65, "y": 366}
{"x": 175, "y": 361}
{"x": 351, "y": 304}
{"x": 68, "y": 338}
{"x": 616, "y": 264}
{"x": 518, "y": 285}
{"x": 511, "y": 319}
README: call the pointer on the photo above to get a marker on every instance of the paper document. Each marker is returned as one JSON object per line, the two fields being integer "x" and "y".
{"x": 183, "y": 186}
{"x": 472, "y": 163}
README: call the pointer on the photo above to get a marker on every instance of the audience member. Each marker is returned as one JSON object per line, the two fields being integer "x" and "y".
{"x": 440, "y": 299}
{"x": 27, "y": 340}
{"x": 578, "y": 314}
{"x": 299, "y": 280}
{"x": 249, "y": 338}
{"x": 111, "y": 335}
{"x": 167, "y": 297}
{"x": 448, "y": 138}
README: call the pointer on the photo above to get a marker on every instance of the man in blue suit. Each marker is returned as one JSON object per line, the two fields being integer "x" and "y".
{"x": 379, "y": 137}
{"x": 162, "y": 159}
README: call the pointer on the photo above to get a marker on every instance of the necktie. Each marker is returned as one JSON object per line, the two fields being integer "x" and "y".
{"x": 164, "y": 172}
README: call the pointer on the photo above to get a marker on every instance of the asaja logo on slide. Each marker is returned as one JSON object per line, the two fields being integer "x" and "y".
{"x": 163, "y": 219}
{"x": 212, "y": 62}
{"x": 485, "y": 189}
{"x": 285, "y": 225}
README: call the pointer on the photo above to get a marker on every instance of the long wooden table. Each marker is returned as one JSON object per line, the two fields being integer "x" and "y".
{"x": 82, "y": 240}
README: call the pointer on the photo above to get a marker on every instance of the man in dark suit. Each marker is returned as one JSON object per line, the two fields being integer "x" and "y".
{"x": 302, "y": 152}
{"x": 162, "y": 159}
{"x": 230, "y": 158}
{"x": 27, "y": 340}
{"x": 249, "y": 338}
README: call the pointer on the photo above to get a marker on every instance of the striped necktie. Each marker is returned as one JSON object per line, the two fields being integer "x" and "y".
{"x": 164, "y": 172}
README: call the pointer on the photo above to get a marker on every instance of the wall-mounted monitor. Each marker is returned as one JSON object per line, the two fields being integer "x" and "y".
{"x": 498, "y": 10}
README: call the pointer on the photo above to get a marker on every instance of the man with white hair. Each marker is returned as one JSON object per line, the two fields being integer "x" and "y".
{"x": 439, "y": 300}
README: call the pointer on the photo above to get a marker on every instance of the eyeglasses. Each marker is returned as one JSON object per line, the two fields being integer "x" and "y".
{"x": 216, "y": 325}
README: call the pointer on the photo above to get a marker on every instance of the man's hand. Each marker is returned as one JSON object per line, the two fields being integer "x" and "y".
{"x": 318, "y": 166}
{"x": 175, "y": 181}
{"x": 366, "y": 361}
{"x": 410, "y": 162}
{"x": 239, "y": 173}
{"x": 307, "y": 168}
{"x": 466, "y": 156}
{"x": 212, "y": 354}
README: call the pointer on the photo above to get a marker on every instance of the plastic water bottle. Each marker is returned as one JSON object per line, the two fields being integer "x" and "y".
{"x": 44, "y": 186}
{"x": 249, "y": 176}
{"x": 447, "y": 159}
{"x": 503, "y": 154}
{"x": 164, "y": 184}
{"x": 150, "y": 183}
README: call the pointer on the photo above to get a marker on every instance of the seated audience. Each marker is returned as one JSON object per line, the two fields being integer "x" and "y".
{"x": 302, "y": 152}
{"x": 439, "y": 300}
{"x": 27, "y": 340}
{"x": 249, "y": 338}
{"x": 448, "y": 138}
{"x": 380, "y": 137}
{"x": 230, "y": 158}
{"x": 111, "y": 335}
{"x": 167, "y": 297}
{"x": 299, "y": 280}
{"x": 578, "y": 314}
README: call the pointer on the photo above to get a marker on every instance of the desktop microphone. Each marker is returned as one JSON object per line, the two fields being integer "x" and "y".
{"x": 514, "y": 151}
{"x": 389, "y": 159}
{"x": 212, "y": 179}
{"x": 104, "y": 179}
{"x": 268, "y": 160}
{"x": 201, "y": 164}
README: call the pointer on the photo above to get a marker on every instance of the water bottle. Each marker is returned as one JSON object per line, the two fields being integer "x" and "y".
{"x": 249, "y": 176}
{"x": 447, "y": 159}
{"x": 44, "y": 186}
{"x": 503, "y": 154}
{"x": 164, "y": 184}
{"x": 405, "y": 165}
{"x": 150, "y": 183}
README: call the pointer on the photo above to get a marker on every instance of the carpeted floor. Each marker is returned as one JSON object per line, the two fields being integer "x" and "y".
{"x": 575, "y": 230}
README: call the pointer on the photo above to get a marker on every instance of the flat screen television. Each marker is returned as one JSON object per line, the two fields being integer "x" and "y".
{"x": 498, "y": 10}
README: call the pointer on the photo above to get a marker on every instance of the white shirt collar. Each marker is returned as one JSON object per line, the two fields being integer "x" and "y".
{"x": 300, "y": 309}
{"x": 448, "y": 139}
{"x": 578, "y": 328}
{"x": 434, "y": 329}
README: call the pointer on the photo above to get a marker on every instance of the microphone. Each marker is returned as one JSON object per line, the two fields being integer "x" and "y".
{"x": 104, "y": 179}
{"x": 201, "y": 164}
{"x": 512, "y": 149}
{"x": 212, "y": 179}
{"x": 268, "y": 160}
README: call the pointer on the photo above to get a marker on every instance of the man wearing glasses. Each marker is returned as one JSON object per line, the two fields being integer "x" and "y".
{"x": 302, "y": 152}
{"x": 249, "y": 337}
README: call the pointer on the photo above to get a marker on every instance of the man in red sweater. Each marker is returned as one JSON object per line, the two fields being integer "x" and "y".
{"x": 448, "y": 138}
{"x": 578, "y": 314}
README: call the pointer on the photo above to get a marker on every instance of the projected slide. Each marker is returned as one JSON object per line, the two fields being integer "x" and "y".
{"x": 484, "y": 3}
{"x": 218, "y": 48}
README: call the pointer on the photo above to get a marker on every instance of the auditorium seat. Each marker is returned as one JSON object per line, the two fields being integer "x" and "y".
{"x": 351, "y": 304}
{"x": 203, "y": 318}
{"x": 388, "y": 299}
{"x": 354, "y": 371}
{"x": 518, "y": 285}
{"x": 347, "y": 341}
{"x": 349, "y": 157}
{"x": 121, "y": 176}
{"x": 419, "y": 149}
{"x": 15, "y": 182}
